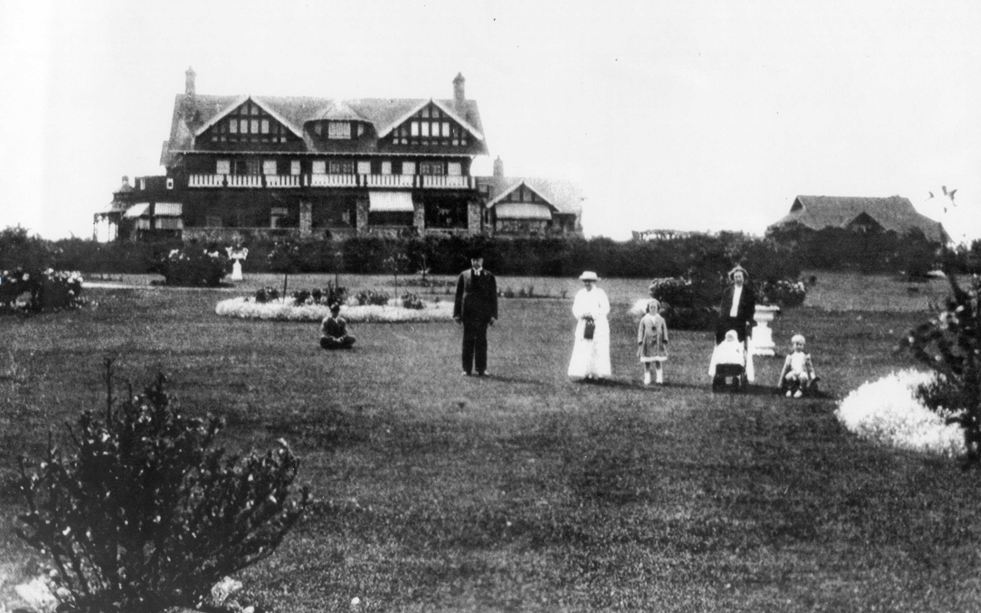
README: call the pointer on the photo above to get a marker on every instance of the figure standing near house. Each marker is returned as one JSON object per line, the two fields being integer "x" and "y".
{"x": 797, "y": 376}
{"x": 736, "y": 313}
{"x": 475, "y": 307}
{"x": 237, "y": 254}
{"x": 333, "y": 330}
{"x": 652, "y": 341}
{"x": 591, "y": 351}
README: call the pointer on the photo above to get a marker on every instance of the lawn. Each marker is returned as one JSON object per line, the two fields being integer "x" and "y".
{"x": 523, "y": 491}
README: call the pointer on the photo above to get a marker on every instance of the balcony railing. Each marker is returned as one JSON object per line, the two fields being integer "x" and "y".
{"x": 330, "y": 180}
{"x": 206, "y": 181}
{"x": 389, "y": 180}
{"x": 446, "y": 182}
{"x": 282, "y": 180}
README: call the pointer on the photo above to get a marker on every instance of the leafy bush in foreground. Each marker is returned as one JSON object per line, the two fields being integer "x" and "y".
{"x": 146, "y": 513}
{"x": 950, "y": 344}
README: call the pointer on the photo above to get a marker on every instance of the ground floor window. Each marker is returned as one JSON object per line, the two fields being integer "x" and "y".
{"x": 335, "y": 212}
{"x": 516, "y": 226}
{"x": 446, "y": 214}
{"x": 390, "y": 218}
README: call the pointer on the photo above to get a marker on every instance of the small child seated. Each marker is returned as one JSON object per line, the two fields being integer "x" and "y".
{"x": 333, "y": 330}
{"x": 797, "y": 376}
{"x": 728, "y": 359}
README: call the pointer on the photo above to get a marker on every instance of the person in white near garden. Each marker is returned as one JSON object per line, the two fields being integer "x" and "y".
{"x": 237, "y": 254}
{"x": 591, "y": 352}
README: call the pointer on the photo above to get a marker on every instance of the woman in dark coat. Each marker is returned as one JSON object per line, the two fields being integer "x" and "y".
{"x": 737, "y": 308}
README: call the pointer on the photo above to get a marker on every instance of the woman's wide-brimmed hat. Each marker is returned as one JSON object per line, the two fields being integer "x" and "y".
{"x": 738, "y": 268}
{"x": 588, "y": 275}
{"x": 335, "y": 306}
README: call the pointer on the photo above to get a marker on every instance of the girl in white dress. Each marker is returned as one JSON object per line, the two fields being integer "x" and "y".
{"x": 591, "y": 352}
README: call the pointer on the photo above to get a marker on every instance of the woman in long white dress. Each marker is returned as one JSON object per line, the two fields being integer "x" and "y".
{"x": 591, "y": 352}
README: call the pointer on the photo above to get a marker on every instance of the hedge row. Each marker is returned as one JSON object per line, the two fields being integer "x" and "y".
{"x": 778, "y": 256}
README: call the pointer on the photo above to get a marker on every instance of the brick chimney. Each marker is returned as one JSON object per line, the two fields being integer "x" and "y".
{"x": 189, "y": 82}
{"x": 459, "y": 95}
{"x": 498, "y": 169}
{"x": 125, "y": 182}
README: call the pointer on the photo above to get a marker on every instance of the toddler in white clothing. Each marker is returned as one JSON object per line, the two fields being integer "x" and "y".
{"x": 798, "y": 371}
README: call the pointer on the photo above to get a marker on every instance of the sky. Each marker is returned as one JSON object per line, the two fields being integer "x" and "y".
{"x": 697, "y": 115}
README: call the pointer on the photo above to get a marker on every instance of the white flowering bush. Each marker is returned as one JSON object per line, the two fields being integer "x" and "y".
{"x": 394, "y": 311}
{"x": 23, "y": 290}
{"x": 194, "y": 266}
{"x": 784, "y": 293}
{"x": 889, "y": 411}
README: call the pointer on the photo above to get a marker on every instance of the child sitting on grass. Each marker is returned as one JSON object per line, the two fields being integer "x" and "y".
{"x": 652, "y": 338}
{"x": 797, "y": 376}
{"x": 333, "y": 330}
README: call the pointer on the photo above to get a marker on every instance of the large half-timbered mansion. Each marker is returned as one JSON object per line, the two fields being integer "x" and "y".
{"x": 317, "y": 167}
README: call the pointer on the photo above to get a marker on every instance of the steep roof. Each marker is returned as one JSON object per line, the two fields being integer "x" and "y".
{"x": 192, "y": 114}
{"x": 893, "y": 213}
{"x": 564, "y": 195}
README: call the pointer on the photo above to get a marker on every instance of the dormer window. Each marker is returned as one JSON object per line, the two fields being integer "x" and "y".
{"x": 339, "y": 130}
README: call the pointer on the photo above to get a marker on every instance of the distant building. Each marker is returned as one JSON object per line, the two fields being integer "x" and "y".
{"x": 662, "y": 234}
{"x": 320, "y": 167}
{"x": 530, "y": 206}
{"x": 894, "y": 213}
{"x": 307, "y": 166}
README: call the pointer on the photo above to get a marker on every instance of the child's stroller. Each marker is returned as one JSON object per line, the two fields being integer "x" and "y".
{"x": 731, "y": 366}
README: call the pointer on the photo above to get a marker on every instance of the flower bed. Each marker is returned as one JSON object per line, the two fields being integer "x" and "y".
{"x": 889, "y": 411}
{"x": 247, "y": 308}
{"x": 24, "y": 291}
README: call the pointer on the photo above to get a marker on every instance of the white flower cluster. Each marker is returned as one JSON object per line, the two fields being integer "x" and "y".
{"x": 179, "y": 255}
{"x": 888, "y": 412}
{"x": 276, "y": 310}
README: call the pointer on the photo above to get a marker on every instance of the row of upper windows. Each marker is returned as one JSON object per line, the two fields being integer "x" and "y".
{"x": 339, "y": 167}
{"x": 414, "y": 133}
{"x": 249, "y": 123}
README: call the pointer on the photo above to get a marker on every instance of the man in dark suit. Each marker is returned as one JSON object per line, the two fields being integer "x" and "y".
{"x": 476, "y": 308}
{"x": 738, "y": 307}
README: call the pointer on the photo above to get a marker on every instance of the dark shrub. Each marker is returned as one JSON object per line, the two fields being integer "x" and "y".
{"x": 147, "y": 514}
{"x": 411, "y": 301}
{"x": 330, "y": 294}
{"x": 372, "y": 297}
{"x": 266, "y": 294}
{"x": 20, "y": 250}
{"x": 194, "y": 266}
{"x": 685, "y": 305}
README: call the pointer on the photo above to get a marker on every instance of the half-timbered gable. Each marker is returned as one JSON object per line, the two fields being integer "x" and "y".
{"x": 247, "y": 126}
{"x": 432, "y": 125}
{"x": 522, "y": 206}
